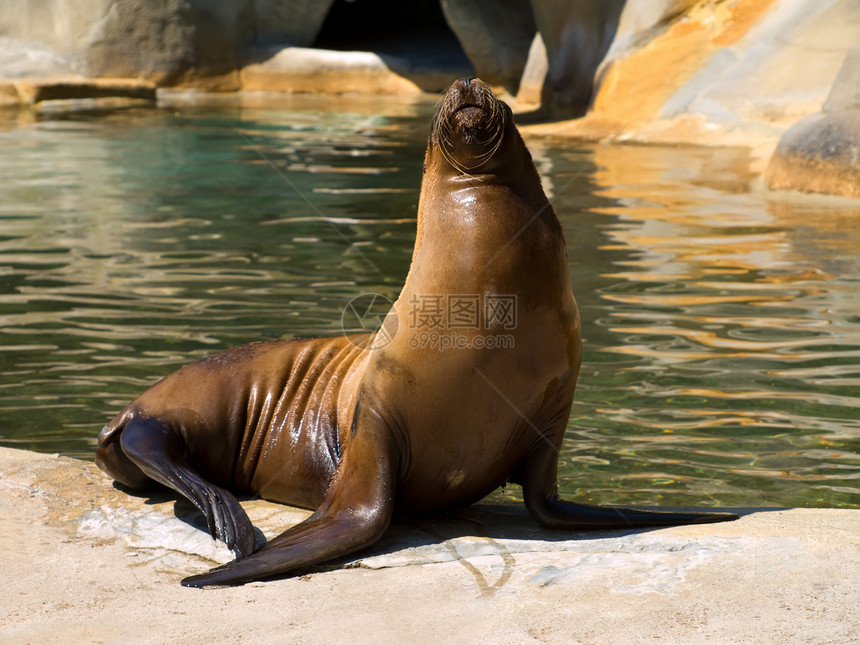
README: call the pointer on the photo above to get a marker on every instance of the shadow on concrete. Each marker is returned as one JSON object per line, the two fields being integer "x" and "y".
{"x": 483, "y": 520}
{"x": 509, "y": 522}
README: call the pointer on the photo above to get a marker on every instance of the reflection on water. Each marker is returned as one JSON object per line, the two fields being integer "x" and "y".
{"x": 722, "y": 337}
{"x": 722, "y": 331}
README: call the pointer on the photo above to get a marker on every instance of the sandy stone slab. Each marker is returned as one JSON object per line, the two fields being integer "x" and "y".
{"x": 33, "y": 91}
{"x": 84, "y": 562}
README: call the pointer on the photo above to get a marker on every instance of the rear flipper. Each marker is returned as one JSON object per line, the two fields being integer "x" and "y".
{"x": 156, "y": 450}
{"x": 540, "y": 492}
{"x": 555, "y": 513}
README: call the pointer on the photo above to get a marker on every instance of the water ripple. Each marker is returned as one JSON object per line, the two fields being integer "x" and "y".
{"x": 721, "y": 332}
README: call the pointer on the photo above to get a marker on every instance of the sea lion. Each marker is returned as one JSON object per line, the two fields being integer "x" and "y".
{"x": 470, "y": 388}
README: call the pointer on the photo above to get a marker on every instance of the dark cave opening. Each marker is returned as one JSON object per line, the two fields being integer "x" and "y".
{"x": 414, "y": 30}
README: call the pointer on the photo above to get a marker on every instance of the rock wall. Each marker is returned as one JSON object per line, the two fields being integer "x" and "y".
{"x": 761, "y": 60}
{"x": 719, "y": 72}
{"x": 496, "y": 35}
{"x": 577, "y": 35}
{"x": 638, "y": 60}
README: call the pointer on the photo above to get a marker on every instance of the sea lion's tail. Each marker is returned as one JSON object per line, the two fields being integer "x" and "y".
{"x": 111, "y": 459}
{"x": 112, "y": 431}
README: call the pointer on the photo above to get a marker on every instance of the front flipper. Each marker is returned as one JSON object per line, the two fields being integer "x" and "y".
{"x": 355, "y": 513}
{"x": 157, "y": 451}
{"x": 540, "y": 492}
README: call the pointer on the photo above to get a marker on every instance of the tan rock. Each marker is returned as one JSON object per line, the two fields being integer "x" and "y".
{"x": 9, "y": 95}
{"x": 635, "y": 88}
{"x": 821, "y": 152}
{"x": 720, "y": 74}
{"x": 33, "y": 91}
{"x": 69, "y": 92}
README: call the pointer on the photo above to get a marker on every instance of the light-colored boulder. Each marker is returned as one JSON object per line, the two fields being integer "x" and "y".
{"x": 639, "y": 85}
{"x": 302, "y": 69}
{"x": 770, "y": 65}
{"x": 189, "y": 42}
{"x": 821, "y": 152}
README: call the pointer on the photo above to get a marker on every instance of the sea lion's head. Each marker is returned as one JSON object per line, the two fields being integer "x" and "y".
{"x": 470, "y": 126}
{"x": 473, "y": 139}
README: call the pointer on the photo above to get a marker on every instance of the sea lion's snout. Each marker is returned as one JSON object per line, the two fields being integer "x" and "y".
{"x": 469, "y": 124}
{"x": 469, "y": 93}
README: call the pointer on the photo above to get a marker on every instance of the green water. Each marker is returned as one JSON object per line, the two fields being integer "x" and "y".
{"x": 721, "y": 327}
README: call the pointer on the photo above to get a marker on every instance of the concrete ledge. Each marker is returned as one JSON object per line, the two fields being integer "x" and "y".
{"x": 84, "y": 562}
